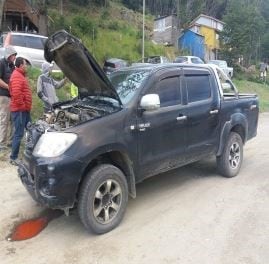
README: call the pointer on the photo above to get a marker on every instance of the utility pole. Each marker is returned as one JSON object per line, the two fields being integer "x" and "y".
{"x": 61, "y": 7}
{"x": 43, "y": 17}
{"x": 2, "y": 3}
{"x": 143, "y": 34}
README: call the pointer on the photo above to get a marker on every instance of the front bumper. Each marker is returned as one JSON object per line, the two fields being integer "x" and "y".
{"x": 51, "y": 182}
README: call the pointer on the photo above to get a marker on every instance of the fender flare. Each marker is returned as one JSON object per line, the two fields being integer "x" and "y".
{"x": 237, "y": 119}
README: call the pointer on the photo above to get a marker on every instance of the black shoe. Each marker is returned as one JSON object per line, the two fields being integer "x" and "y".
{"x": 14, "y": 162}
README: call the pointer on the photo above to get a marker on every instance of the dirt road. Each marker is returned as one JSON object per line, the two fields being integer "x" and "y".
{"x": 190, "y": 215}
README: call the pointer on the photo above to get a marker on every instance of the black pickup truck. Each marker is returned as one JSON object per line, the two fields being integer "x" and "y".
{"x": 91, "y": 151}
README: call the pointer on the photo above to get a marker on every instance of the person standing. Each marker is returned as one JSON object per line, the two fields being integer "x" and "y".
{"x": 6, "y": 69}
{"x": 20, "y": 105}
{"x": 263, "y": 71}
{"x": 46, "y": 86}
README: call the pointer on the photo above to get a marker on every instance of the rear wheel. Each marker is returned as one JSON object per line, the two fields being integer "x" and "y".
{"x": 103, "y": 199}
{"x": 230, "y": 161}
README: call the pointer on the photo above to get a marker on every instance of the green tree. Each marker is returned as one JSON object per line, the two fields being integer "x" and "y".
{"x": 264, "y": 52}
{"x": 242, "y": 31}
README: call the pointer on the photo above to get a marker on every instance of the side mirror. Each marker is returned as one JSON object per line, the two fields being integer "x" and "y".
{"x": 229, "y": 87}
{"x": 150, "y": 102}
{"x": 226, "y": 86}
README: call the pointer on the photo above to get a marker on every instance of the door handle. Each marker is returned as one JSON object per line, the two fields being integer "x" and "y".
{"x": 253, "y": 107}
{"x": 213, "y": 112}
{"x": 181, "y": 118}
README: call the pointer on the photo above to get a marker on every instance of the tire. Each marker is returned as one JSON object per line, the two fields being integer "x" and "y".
{"x": 103, "y": 199}
{"x": 230, "y": 161}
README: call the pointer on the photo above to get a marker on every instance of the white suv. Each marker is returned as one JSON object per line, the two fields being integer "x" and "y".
{"x": 28, "y": 46}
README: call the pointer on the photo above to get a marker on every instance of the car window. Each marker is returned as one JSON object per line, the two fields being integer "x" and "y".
{"x": 17, "y": 40}
{"x": 110, "y": 64}
{"x": 154, "y": 60}
{"x": 223, "y": 64}
{"x": 197, "y": 60}
{"x": 127, "y": 83}
{"x": 165, "y": 60}
{"x": 198, "y": 87}
{"x": 34, "y": 42}
{"x": 1, "y": 40}
{"x": 115, "y": 64}
{"x": 169, "y": 91}
{"x": 214, "y": 62}
{"x": 181, "y": 59}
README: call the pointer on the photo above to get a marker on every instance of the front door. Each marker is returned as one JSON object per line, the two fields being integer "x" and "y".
{"x": 162, "y": 132}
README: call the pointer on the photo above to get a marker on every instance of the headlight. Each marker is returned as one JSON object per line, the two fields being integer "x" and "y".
{"x": 52, "y": 144}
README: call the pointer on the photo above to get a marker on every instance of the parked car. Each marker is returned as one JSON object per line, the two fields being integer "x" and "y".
{"x": 141, "y": 122}
{"x": 151, "y": 60}
{"x": 28, "y": 46}
{"x": 223, "y": 65}
{"x": 188, "y": 59}
{"x": 113, "y": 64}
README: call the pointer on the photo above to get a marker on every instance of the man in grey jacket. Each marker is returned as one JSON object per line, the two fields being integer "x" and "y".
{"x": 46, "y": 86}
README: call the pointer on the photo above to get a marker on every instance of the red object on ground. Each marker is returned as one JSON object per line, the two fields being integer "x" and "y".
{"x": 29, "y": 229}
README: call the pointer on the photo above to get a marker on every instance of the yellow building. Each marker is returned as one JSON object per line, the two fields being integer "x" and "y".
{"x": 209, "y": 27}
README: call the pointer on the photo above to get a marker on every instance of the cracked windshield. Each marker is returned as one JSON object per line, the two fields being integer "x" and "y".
{"x": 126, "y": 83}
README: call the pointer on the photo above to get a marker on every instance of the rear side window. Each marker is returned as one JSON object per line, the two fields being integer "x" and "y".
{"x": 198, "y": 87}
{"x": 28, "y": 41}
{"x": 169, "y": 91}
{"x": 34, "y": 42}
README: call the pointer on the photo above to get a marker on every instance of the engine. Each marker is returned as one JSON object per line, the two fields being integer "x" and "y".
{"x": 66, "y": 116}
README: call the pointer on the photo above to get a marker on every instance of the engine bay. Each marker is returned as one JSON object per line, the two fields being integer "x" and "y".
{"x": 68, "y": 114}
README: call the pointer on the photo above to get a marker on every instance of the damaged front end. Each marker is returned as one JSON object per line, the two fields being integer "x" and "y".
{"x": 49, "y": 172}
{"x": 53, "y": 163}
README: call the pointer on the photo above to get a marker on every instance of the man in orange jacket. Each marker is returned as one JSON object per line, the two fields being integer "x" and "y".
{"x": 20, "y": 105}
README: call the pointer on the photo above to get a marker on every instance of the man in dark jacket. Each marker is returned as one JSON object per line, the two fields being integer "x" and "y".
{"x": 20, "y": 105}
{"x": 6, "y": 68}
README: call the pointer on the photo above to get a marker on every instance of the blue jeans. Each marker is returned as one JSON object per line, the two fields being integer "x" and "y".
{"x": 20, "y": 120}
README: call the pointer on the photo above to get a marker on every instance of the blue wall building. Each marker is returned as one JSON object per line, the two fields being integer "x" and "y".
{"x": 192, "y": 42}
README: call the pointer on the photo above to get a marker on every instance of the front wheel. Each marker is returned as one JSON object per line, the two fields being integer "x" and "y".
{"x": 103, "y": 199}
{"x": 230, "y": 161}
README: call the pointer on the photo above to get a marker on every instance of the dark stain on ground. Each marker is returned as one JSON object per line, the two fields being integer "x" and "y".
{"x": 27, "y": 229}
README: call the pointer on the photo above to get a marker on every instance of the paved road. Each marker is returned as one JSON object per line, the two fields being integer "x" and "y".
{"x": 190, "y": 215}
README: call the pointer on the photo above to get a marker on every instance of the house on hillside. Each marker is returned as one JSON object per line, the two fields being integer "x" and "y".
{"x": 209, "y": 28}
{"x": 19, "y": 15}
{"x": 166, "y": 30}
{"x": 193, "y": 42}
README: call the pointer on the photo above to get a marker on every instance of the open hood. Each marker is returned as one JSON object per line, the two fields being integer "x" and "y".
{"x": 78, "y": 65}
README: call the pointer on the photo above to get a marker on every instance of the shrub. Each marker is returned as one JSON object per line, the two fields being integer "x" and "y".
{"x": 83, "y": 26}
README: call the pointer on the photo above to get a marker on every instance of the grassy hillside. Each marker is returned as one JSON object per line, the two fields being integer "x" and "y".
{"x": 114, "y": 31}
{"x": 262, "y": 90}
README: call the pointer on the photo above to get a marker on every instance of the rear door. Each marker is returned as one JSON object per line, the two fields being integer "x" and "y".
{"x": 161, "y": 133}
{"x": 202, "y": 113}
